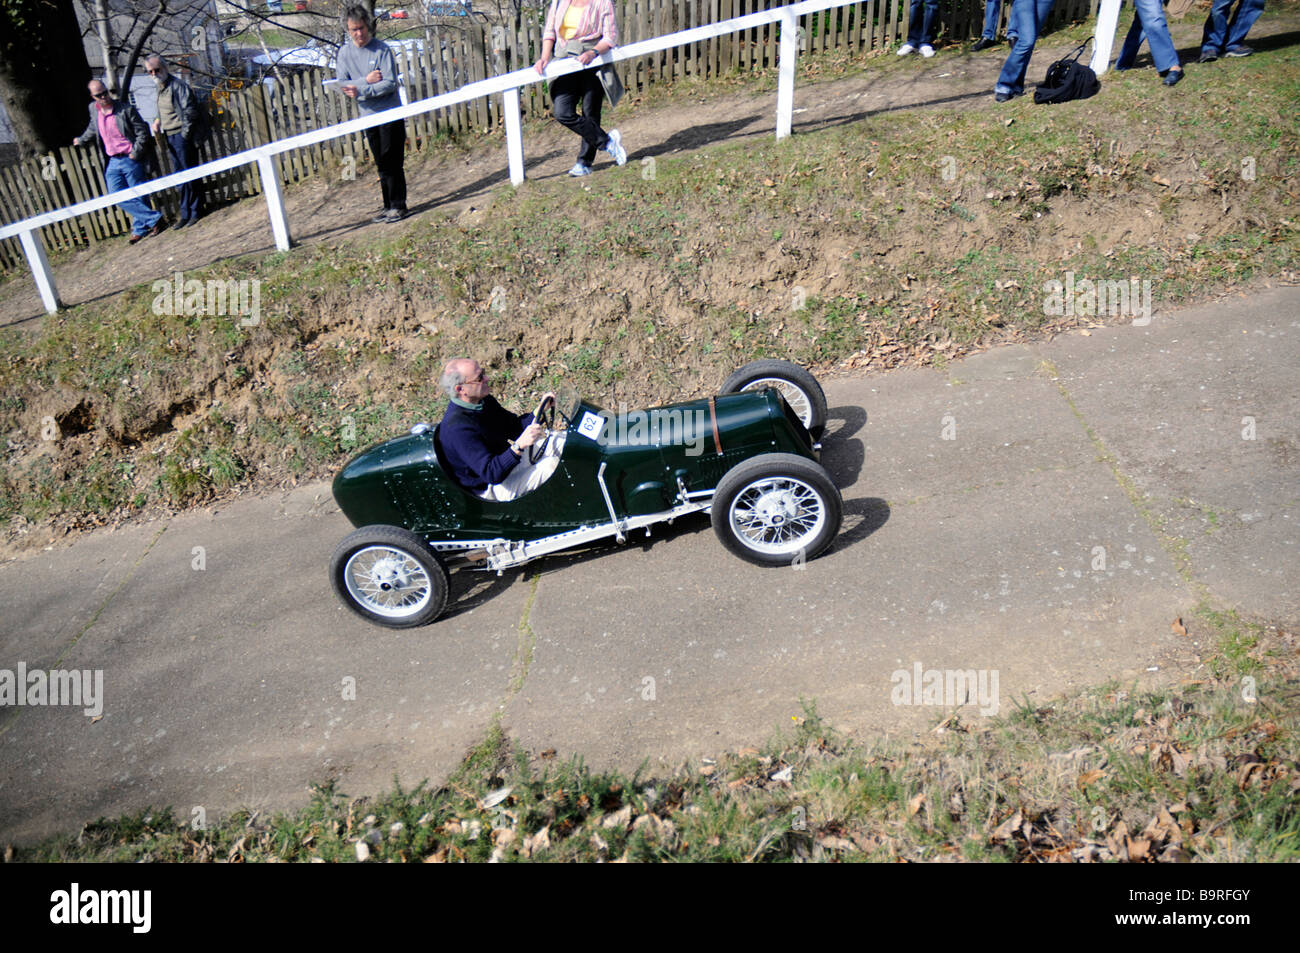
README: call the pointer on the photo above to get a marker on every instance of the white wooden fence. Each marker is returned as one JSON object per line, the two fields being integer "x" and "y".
{"x": 507, "y": 85}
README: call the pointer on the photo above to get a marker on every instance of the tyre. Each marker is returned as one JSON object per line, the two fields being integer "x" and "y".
{"x": 777, "y": 509}
{"x": 799, "y": 388}
{"x": 387, "y": 575}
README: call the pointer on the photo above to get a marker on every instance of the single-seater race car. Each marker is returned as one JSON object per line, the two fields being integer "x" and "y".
{"x": 749, "y": 456}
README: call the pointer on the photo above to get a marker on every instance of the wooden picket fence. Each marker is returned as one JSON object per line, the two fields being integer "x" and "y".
{"x": 465, "y": 52}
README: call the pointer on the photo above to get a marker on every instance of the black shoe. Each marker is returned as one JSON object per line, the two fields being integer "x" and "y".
{"x": 182, "y": 223}
{"x": 1240, "y": 51}
{"x": 1003, "y": 97}
{"x": 983, "y": 43}
{"x": 1173, "y": 77}
{"x": 1208, "y": 57}
{"x": 394, "y": 215}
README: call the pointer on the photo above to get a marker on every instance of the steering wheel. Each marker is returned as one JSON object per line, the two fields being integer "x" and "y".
{"x": 545, "y": 416}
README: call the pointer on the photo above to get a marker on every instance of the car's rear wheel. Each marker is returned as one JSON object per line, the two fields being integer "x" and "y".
{"x": 777, "y": 509}
{"x": 799, "y": 388}
{"x": 387, "y": 575}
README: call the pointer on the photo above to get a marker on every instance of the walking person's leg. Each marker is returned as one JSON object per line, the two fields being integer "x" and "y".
{"x": 184, "y": 156}
{"x": 1215, "y": 34}
{"x": 1243, "y": 19}
{"x": 392, "y": 170}
{"x": 123, "y": 172}
{"x": 566, "y": 93}
{"x": 1132, "y": 42}
{"x": 1156, "y": 28}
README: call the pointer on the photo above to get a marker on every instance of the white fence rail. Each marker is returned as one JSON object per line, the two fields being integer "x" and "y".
{"x": 507, "y": 85}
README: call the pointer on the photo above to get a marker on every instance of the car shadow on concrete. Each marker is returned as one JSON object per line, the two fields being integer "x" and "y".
{"x": 862, "y": 517}
{"x": 842, "y": 455}
{"x": 471, "y": 588}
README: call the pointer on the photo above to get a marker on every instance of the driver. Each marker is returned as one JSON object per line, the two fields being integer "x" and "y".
{"x": 486, "y": 446}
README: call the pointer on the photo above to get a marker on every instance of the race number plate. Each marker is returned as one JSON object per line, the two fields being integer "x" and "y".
{"x": 591, "y": 425}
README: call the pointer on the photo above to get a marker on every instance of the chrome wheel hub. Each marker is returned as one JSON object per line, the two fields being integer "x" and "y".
{"x": 387, "y": 581}
{"x": 777, "y": 515}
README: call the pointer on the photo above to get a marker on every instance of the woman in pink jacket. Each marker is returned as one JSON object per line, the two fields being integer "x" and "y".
{"x": 583, "y": 29}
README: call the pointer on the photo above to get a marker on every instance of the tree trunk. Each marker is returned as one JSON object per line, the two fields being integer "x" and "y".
{"x": 104, "y": 30}
{"x": 43, "y": 73}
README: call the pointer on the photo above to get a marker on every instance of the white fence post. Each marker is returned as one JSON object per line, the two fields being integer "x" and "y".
{"x": 514, "y": 135}
{"x": 274, "y": 201}
{"x": 1103, "y": 40}
{"x": 785, "y": 74}
{"x": 40, "y": 269}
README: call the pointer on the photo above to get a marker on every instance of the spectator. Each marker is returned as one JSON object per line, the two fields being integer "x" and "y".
{"x": 921, "y": 29}
{"x": 179, "y": 120}
{"x": 1227, "y": 37}
{"x": 125, "y": 139}
{"x": 992, "y": 12}
{"x": 1149, "y": 23}
{"x": 584, "y": 29}
{"x": 1027, "y": 20}
{"x": 367, "y": 72}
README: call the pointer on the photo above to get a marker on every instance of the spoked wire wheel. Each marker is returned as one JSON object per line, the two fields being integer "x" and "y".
{"x": 777, "y": 509}
{"x": 777, "y": 515}
{"x": 389, "y": 576}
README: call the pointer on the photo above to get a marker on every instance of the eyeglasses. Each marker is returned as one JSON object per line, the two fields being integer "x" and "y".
{"x": 103, "y": 95}
{"x": 482, "y": 376}
{"x": 153, "y": 72}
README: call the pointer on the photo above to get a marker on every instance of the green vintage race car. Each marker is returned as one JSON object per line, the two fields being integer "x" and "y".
{"x": 749, "y": 456}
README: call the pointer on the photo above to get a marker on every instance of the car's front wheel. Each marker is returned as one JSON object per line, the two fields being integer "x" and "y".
{"x": 387, "y": 575}
{"x": 799, "y": 388}
{"x": 777, "y": 509}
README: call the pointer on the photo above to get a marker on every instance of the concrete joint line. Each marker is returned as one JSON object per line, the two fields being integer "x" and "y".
{"x": 1174, "y": 546}
{"x": 524, "y": 651}
{"x": 95, "y": 616}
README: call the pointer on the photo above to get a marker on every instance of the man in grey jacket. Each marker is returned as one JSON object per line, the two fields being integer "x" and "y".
{"x": 367, "y": 72}
{"x": 179, "y": 120}
{"x": 124, "y": 138}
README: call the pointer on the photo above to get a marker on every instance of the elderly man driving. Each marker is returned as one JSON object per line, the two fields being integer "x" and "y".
{"x": 485, "y": 445}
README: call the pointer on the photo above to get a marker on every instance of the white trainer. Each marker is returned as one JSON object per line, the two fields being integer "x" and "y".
{"x": 615, "y": 147}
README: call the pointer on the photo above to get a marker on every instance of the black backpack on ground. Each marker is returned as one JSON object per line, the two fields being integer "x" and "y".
{"x": 1068, "y": 79}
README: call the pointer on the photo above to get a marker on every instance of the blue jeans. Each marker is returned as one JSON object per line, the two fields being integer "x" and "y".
{"x": 186, "y": 156}
{"x": 1149, "y": 24}
{"x": 123, "y": 172}
{"x": 1027, "y": 18}
{"x": 921, "y": 30}
{"x": 992, "y": 12}
{"x": 1220, "y": 33}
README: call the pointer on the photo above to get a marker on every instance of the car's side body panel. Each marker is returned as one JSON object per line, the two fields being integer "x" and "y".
{"x": 644, "y": 453}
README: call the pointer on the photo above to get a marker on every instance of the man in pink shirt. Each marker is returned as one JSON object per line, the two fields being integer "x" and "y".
{"x": 124, "y": 138}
